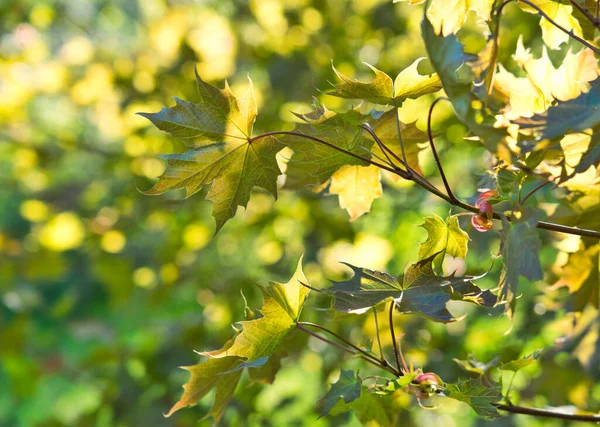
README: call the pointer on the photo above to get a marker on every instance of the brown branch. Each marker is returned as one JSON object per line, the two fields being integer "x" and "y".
{"x": 435, "y": 154}
{"x": 346, "y": 349}
{"x": 515, "y": 409}
{"x": 394, "y": 342}
{"x": 557, "y": 25}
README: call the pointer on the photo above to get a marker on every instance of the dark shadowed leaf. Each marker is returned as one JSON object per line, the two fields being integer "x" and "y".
{"x": 419, "y": 291}
{"x": 348, "y": 388}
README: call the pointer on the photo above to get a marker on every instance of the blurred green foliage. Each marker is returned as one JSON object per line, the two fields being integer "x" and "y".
{"x": 105, "y": 291}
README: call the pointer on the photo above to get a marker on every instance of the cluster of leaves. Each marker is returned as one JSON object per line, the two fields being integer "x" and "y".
{"x": 540, "y": 128}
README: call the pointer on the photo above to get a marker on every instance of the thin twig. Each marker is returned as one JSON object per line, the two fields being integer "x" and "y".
{"x": 377, "y": 334}
{"x": 394, "y": 342}
{"x": 435, "y": 154}
{"x": 560, "y": 27}
{"x": 422, "y": 182}
{"x": 537, "y": 187}
{"x": 515, "y": 409}
{"x": 400, "y": 137}
{"x": 346, "y": 349}
{"x": 322, "y": 141}
{"x": 345, "y": 341}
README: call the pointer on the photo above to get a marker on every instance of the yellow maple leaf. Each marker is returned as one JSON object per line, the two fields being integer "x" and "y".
{"x": 357, "y": 188}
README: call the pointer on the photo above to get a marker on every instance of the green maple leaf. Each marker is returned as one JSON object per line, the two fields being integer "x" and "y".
{"x": 348, "y": 387}
{"x": 220, "y": 374}
{"x": 418, "y": 291}
{"x": 254, "y": 347}
{"x": 477, "y": 395}
{"x": 381, "y": 90}
{"x": 516, "y": 365}
{"x": 224, "y": 155}
{"x": 312, "y": 162}
{"x": 520, "y": 247}
{"x": 475, "y": 366}
{"x": 452, "y": 65}
{"x": 444, "y": 237}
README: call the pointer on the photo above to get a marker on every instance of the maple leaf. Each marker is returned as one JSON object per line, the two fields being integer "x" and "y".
{"x": 282, "y": 306}
{"x": 348, "y": 387}
{"x": 477, "y": 395}
{"x": 218, "y": 374}
{"x": 574, "y": 115}
{"x": 452, "y": 65}
{"x": 544, "y": 83}
{"x": 561, "y": 14}
{"x": 443, "y": 237}
{"x": 518, "y": 364}
{"x": 520, "y": 247}
{"x": 448, "y": 16}
{"x": 381, "y": 90}
{"x": 224, "y": 155}
{"x": 313, "y": 163}
{"x": 418, "y": 291}
{"x": 254, "y": 347}
{"x": 357, "y": 188}
{"x": 581, "y": 275}
{"x": 475, "y": 366}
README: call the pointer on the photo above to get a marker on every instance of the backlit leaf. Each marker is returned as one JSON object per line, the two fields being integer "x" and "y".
{"x": 443, "y": 237}
{"x": 357, "y": 187}
{"x": 225, "y": 156}
{"x": 281, "y": 309}
{"x": 559, "y": 13}
{"x": 581, "y": 275}
{"x": 516, "y": 365}
{"x": 381, "y": 90}
{"x": 251, "y": 348}
{"x": 450, "y": 61}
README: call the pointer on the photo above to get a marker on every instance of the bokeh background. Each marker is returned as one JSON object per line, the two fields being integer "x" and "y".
{"x": 104, "y": 292}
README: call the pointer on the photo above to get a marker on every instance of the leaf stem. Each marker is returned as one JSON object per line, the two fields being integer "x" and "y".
{"x": 560, "y": 27}
{"x": 410, "y": 172}
{"x": 394, "y": 342}
{"x": 347, "y": 349}
{"x": 537, "y": 187}
{"x": 422, "y": 182}
{"x": 322, "y": 141}
{"x": 377, "y": 334}
{"x": 515, "y": 409}
{"x": 435, "y": 154}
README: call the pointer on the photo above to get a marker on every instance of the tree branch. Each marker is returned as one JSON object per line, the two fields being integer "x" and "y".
{"x": 435, "y": 154}
{"x": 546, "y": 413}
{"x": 394, "y": 342}
{"x": 422, "y": 182}
{"x": 560, "y": 27}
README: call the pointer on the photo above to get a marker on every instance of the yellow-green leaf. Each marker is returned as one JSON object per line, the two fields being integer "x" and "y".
{"x": 357, "y": 188}
{"x": 282, "y": 306}
{"x": 381, "y": 90}
{"x": 225, "y": 156}
{"x": 559, "y": 13}
{"x": 443, "y": 237}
